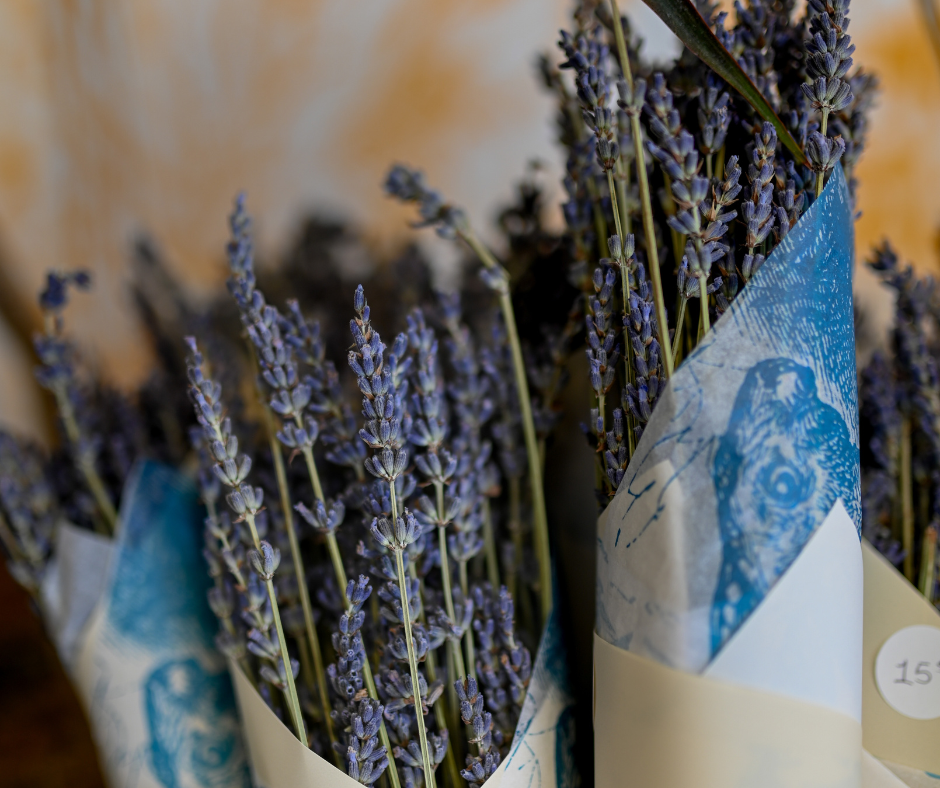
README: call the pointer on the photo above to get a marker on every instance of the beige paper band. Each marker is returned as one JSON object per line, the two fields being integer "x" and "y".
{"x": 277, "y": 758}
{"x": 891, "y": 604}
{"x": 655, "y": 727}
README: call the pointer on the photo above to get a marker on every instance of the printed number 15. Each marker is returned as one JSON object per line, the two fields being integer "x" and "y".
{"x": 923, "y": 676}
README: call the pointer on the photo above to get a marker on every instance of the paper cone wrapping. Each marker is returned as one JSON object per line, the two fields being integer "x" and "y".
{"x": 134, "y": 630}
{"x": 909, "y": 749}
{"x": 539, "y": 757}
{"x": 729, "y": 600}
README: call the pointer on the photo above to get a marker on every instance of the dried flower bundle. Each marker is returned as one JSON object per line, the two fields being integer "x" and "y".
{"x": 900, "y": 422}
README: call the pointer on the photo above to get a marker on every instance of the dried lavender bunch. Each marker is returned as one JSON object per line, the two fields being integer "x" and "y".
{"x": 902, "y": 411}
{"x": 232, "y": 469}
{"x": 57, "y": 374}
{"x": 696, "y": 132}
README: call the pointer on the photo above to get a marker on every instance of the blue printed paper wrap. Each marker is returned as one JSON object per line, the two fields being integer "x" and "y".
{"x": 752, "y": 443}
{"x": 156, "y": 691}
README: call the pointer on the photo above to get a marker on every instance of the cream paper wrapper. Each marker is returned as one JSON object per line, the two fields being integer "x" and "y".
{"x": 131, "y": 623}
{"x": 779, "y": 706}
{"x": 539, "y": 757}
{"x": 909, "y": 749}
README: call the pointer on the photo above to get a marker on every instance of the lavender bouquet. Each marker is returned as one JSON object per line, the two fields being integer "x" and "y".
{"x": 390, "y": 560}
{"x": 729, "y": 596}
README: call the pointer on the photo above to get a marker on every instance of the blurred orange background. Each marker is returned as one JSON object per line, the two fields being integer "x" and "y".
{"x": 148, "y": 116}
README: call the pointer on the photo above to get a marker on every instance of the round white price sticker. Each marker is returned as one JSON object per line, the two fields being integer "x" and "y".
{"x": 907, "y": 672}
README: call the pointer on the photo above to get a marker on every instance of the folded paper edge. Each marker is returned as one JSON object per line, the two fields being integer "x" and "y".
{"x": 684, "y": 729}
{"x": 891, "y": 604}
{"x": 278, "y": 758}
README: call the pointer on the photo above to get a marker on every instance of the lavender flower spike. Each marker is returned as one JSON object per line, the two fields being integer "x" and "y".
{"x": 56, "y": 374}
{"x": 232, "y": 469}
{"x": 386, "y": 429}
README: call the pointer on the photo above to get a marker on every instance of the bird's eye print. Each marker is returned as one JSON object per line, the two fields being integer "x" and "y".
{"x": 784, "y": 483}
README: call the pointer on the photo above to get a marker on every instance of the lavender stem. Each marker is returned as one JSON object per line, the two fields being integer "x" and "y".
{"x": 647, "y": 208}
{"x": 539, "y": 515}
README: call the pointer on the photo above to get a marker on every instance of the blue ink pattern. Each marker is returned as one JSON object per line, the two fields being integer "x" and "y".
{"x": 158, "y": 592}
{"x": 784, "y": 460}
{"x": 194, "y": 738}
{"x": 760, "y": 428}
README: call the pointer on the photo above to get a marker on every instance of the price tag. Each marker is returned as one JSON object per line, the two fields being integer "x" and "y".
{"x": 907, "y": 672}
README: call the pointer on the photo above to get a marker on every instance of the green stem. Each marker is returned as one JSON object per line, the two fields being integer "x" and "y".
{"x": 445, "y": 573}
{"x": 448, "y": 598}
{"x": 703, "y": 296}
{"x": 601, "y": 433}
{"x": 539, "y": 514}
{"x": 312, "y": 472}
{"x": 514, "y": 581}
{"x": 680, "y": 321}
{"x": 928, "y": 563}
{"x": 621, "y": 261}
{"x": 907, "y": 499}
{"x": 413, "y": 667}
{"x": 645, "y": 203}
{"x": 383, "y": 733}
{"x": 321, "y": 681}
{"x": 623, "y": 180}
{"x": 300, "y": 571}
{"x": 625, "y": 290}
{"x": 86, "y": 465}
{"x": 337, "y": 560}
{"x": 292, "y": 699}
{"x": 412, "y": 663}
{"x": 468, "y": 635}
{"x": 489, "y": 545}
